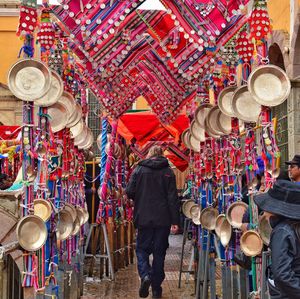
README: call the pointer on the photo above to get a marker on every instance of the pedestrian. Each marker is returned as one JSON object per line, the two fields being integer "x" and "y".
{"x": 152, "y": 187}
{"x": 281, "y": 206}
{"x": 294, "y": 169}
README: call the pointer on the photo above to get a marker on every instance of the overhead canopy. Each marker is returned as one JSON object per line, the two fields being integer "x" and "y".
{"x": 163, "y": 55}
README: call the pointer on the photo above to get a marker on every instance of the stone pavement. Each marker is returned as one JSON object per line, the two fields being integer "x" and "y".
{"x": 127, "y": 282}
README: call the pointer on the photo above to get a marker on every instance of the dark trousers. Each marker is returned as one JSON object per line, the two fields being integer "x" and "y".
{"x": 152, "y": 241}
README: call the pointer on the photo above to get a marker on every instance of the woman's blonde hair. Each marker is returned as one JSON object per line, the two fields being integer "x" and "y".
{"x": 155, "y": 151}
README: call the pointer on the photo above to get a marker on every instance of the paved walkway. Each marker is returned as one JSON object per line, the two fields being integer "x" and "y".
{"x": 127, "y": 282}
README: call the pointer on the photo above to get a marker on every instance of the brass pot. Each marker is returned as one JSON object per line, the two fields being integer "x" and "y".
{"x": 80, "y": 215}
{"x": 219, "y": 221}
{"x": 197, "y": 132}
{"x": 86, "y": 216}
{"x": 69, "y": 207}
{"x": 58, "y": 119}
{"x": 65, "y": 224}
{"x": 235, "y": 213}
{"x": 195, "y": 212}
{"x": 225, "y": 232}
{"x": 224, "y": 100}
{"x": 211, "y": 121}
{"x": 76, "y": 227}
{"x": 186, "y": 208}
{"x": 251, "y": 243}
{"x": 208, "y": 218}
{"x": 201, "y": 113}
{"x": 31, "y": 232}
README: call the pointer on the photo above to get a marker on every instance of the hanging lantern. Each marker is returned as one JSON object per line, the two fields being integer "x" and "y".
{"x": 244, "y": 47}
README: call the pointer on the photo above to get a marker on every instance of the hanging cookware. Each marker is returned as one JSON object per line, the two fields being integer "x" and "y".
{"x": 195, "y": 213}
{"x": 29, "y": 79}
{"x": 235, "y": 213}
{"x": 269, "y": 85}
{"x": 82, "y": 136}
{"x": 42, "y": 208}
{"x": 197, "y": 132}
{"x": 31, "y": 233}
{"x": 208, "y": 218}
{"x": 30, "y": 173}
{"x": 85, "y": 216}
{"x": 224, "y": 123}
{"x": 54, "y": 93}
{"x": 68, "y": 101}
{"x": 88, "y": 142}
{"x": 219, "y": 222}
{"x": 58, "y": 117}
{"x": 225, "y": 232}
{"x": 224, "y": 100}
{"x": 195, "y": 144}
{"x": 76, "y": 129}
{"x": 211, "y": 121}
{"x": 65, "y": 224}
{"x": 76, "y": 227}
{"x": 201, "y": 113}
{"x": 244, "y": 106}
{"x": 80, "y": 215}
{"x": 185, "y": 138}
{"x": 69, "y": 207}
{"x": 75, "y": 117}
{"x": 251, "y": 243}
{"x": 264, "y": 229}
{"x": 186, "y": 208}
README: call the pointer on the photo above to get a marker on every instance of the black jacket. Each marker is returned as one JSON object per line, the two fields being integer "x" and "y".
{"x": 285, "y": 252}
{"x": 152, "y": 186}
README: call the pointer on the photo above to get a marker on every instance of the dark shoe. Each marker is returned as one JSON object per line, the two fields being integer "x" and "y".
{"x": 157, "y": 293}
{"x": 144, "y": 288}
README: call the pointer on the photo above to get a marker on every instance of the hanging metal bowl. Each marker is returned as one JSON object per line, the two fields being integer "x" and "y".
{"x": 31, "y": 232}
{"x": 211, "y": 121}
{"x": 195, "y": 144}
{"x": 265, "y": 230}
{"x": 68, "y": 101}
{"x": 82, "y": 136}
{"x": 219, "y": 222}
{"x": 58, "y": 117}
{"x": 269, "y": 85}
{"x": 80, "y": 215}
{"x": 69, "y": 207}
{"x": 251, "y": 243}
{"x": 77, "y": 129}
{"x": 224, "y": 100}
{"x": 224, "y": 123}
{"x": 208, "y": 218}
{"x": 225, "y": 232}
{"x": 235, "y": 213}
{"x": 88, "y": 142}
{"x": 195, "y": 211}
{"x": 75, "y": 117}
{"x": 86, "y": 216}
{"x": 244, "y": 105}
{"x": 29, "y": 79}
{"x": 76, "y": 227}
{"x": 201, "y": 113}
{"x": 185, "y": 138}
{"x": 65, "y": 224}
{"x": 186, "y": 208}
{"x": 197, "y": 132}
{"x": 54, "y": 93}
{"x": 43, "y": 209}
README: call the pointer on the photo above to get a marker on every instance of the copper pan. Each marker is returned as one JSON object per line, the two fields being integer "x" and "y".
{"x": 29, "y": 79}
{"x": 76, "y": 129}
{"x": 68, "y": 101}
{"x": 224, "y": 123}
{"x": 244, "y": 106}
{"x": 225, "y": 232}
{"x": 58, "y": 117}
{"x": 201, "y": 113}
{"x": 208, "y": 218}
{"x": 224, "y": 100}
{"x": 264, "y": 229}
{"x": 54, "y": 93}
{"x": 31, "y": 233}
{"x": 251, "y": 243}
{"x": 42, "y": 208}
{"x": 269, "y": 85}
{"x": 197, "y": 132}
{"x": 65, "y": 224}
{"x": 235, "y": 213}
{"x": 186, "y": 208}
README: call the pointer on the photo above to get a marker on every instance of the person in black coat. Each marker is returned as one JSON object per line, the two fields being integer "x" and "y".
{"x": 152, "y": 187}
{"x": 281, "y": 205}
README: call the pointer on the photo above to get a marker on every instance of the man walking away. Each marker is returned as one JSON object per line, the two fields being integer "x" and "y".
{"x": 152, "y": 187}
{"x": 294, "y": 169}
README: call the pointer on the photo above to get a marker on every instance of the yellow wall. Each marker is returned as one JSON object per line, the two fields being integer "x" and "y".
{"x": 279, "y": 12}
{"x": 10, "y": 45}
{"x": 141, "y": 103}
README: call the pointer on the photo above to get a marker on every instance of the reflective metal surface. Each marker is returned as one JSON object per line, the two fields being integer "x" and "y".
{"x": 58, "y": 117}
{"x": 224, "y": 100}
{"x": 42, "y": 208}
{"x": 235, "y": 213}
{"x": 208, "y": 218}
{"x": 251, "y": 243}
{"x": 201, "y": 113}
